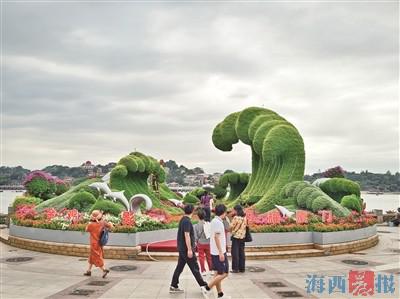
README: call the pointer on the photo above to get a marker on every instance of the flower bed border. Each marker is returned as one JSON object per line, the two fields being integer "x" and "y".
{"x": 79, "y": 237}
{"x": 135, "y": 239}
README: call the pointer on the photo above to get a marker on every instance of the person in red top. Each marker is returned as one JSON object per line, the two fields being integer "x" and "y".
{"x": 95, "y": 228}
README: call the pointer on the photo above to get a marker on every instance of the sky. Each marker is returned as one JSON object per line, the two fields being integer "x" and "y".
{"x": 95, "y": 81}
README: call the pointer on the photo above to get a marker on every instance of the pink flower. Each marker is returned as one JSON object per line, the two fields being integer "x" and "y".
{"x": 25, "y": 212}
{"x": 50, "y": 213}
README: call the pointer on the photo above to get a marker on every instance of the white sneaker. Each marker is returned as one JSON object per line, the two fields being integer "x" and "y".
{"x": 205, "y": 292}
{"x": 204, "y": 273}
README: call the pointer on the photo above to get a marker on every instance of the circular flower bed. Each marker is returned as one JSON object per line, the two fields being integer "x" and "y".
{"x": 273, "y": 222}
{"x": 156, "y": 219}
{"x": 72, "y": 219}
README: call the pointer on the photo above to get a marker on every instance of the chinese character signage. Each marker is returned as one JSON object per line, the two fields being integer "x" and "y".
{"x": 357, "y": 283}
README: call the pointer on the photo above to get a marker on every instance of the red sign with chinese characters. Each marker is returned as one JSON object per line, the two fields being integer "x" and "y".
{"x": 361, "y": 283}
{"x": 301, "y": 216}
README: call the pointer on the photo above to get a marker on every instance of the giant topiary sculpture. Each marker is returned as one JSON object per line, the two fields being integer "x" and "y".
{"x": 131, "y": 175}
{"x": 277, "y": 152}
{"x": 237, "y": 183}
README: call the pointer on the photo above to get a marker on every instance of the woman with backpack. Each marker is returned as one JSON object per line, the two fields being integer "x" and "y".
{"x": 238, "y": 234}
{"x": 96, "y": 227}
{"x": 202, "y": 238}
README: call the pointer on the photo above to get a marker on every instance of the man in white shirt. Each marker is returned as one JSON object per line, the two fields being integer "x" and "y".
{"x": 218, "y": 252}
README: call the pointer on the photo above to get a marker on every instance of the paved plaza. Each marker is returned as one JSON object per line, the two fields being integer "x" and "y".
{"x": 54, "y": 276}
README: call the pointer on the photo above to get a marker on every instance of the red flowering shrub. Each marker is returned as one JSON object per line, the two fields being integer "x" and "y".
{"x": 334, "y": 172}
{"x": 50, "y": 213}
{"x": 25, "y": 212}
{"x": 159, "y": 215}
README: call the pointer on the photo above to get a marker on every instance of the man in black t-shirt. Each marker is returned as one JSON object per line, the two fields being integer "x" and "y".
{"x": 186, "y": 245}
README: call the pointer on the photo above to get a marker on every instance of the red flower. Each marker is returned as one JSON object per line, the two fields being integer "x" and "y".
{"x": 128, "y": 218}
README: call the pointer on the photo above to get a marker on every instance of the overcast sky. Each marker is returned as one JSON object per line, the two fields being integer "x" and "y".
{"x": 94, "y": 81}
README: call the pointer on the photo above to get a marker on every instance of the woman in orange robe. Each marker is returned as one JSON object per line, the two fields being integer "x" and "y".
{"x": 95, "y": 228}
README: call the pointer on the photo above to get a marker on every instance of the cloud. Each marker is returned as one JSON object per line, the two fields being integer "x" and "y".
{"x": 95, "y": 81}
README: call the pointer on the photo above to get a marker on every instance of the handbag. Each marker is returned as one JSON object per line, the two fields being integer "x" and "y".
{"x": 248, "y": 237}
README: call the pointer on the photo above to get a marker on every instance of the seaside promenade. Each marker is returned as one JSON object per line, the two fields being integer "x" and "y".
{"x": 28, "y": 274}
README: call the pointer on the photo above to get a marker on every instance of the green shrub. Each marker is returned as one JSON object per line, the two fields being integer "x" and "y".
{"x": 303, "y": 195}
{"x": 219, "y": 192}
{"x": 352, "y": 202}
{"x": 290, "y": 201}
{"x": 339, "y": 187}
{"x": 300, "y": 186}
{"x": 198, "y": 192}
{"x": 119, "y": 171}
{"x": 26, "y": 200}
{"x": 90, "y": 190}
{"x": 108, "y": 207}
{"x": 309, "y": 202}
{"x": 189, "y": 198}
{"x": 38, "y": 187}
{"x": 288, "y": 189}
{"x": 244, "y": 178}
{"x": 237, "y": 183}
{"x": 61, "y": 188}
{"x": 320, "y": 203}
{"x": 82, "y": 201}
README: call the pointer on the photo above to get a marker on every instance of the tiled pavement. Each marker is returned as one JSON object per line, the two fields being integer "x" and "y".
{"x": 53, "y": 276}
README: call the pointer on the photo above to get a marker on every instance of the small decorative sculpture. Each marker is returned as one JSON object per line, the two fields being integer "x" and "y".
{"x": 106, "y": 177}
{"x": 284, "y": 211}
{"x": 119, "y": 196}
{"x": 177, "y": 202}
{"x": 101, "y": 187}
{"x": 136, "y": 200}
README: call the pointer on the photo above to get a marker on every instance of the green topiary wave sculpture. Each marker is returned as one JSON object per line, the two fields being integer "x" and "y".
{"x": 277, "y": 152}
{"x": 310, "y": 197}
{"x": 132, "y": 173}
{"x": 237, "y": 183}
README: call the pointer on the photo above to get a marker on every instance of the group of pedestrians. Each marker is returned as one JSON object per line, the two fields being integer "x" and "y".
{"x": 210, "y": 239}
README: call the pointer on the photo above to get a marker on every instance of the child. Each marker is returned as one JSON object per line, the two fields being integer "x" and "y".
{"x": 202, "y": 237}
{"x": 95, "y": 228}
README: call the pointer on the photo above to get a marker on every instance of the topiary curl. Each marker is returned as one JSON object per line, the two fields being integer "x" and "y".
{"x": 277, "y": 152}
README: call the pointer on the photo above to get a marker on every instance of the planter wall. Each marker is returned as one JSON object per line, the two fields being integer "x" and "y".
{"x": 76, "y": 237}
{"x": 265, "y": 239}
{"x": 344, "y": 236}
{"x": 125, "y": 239}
